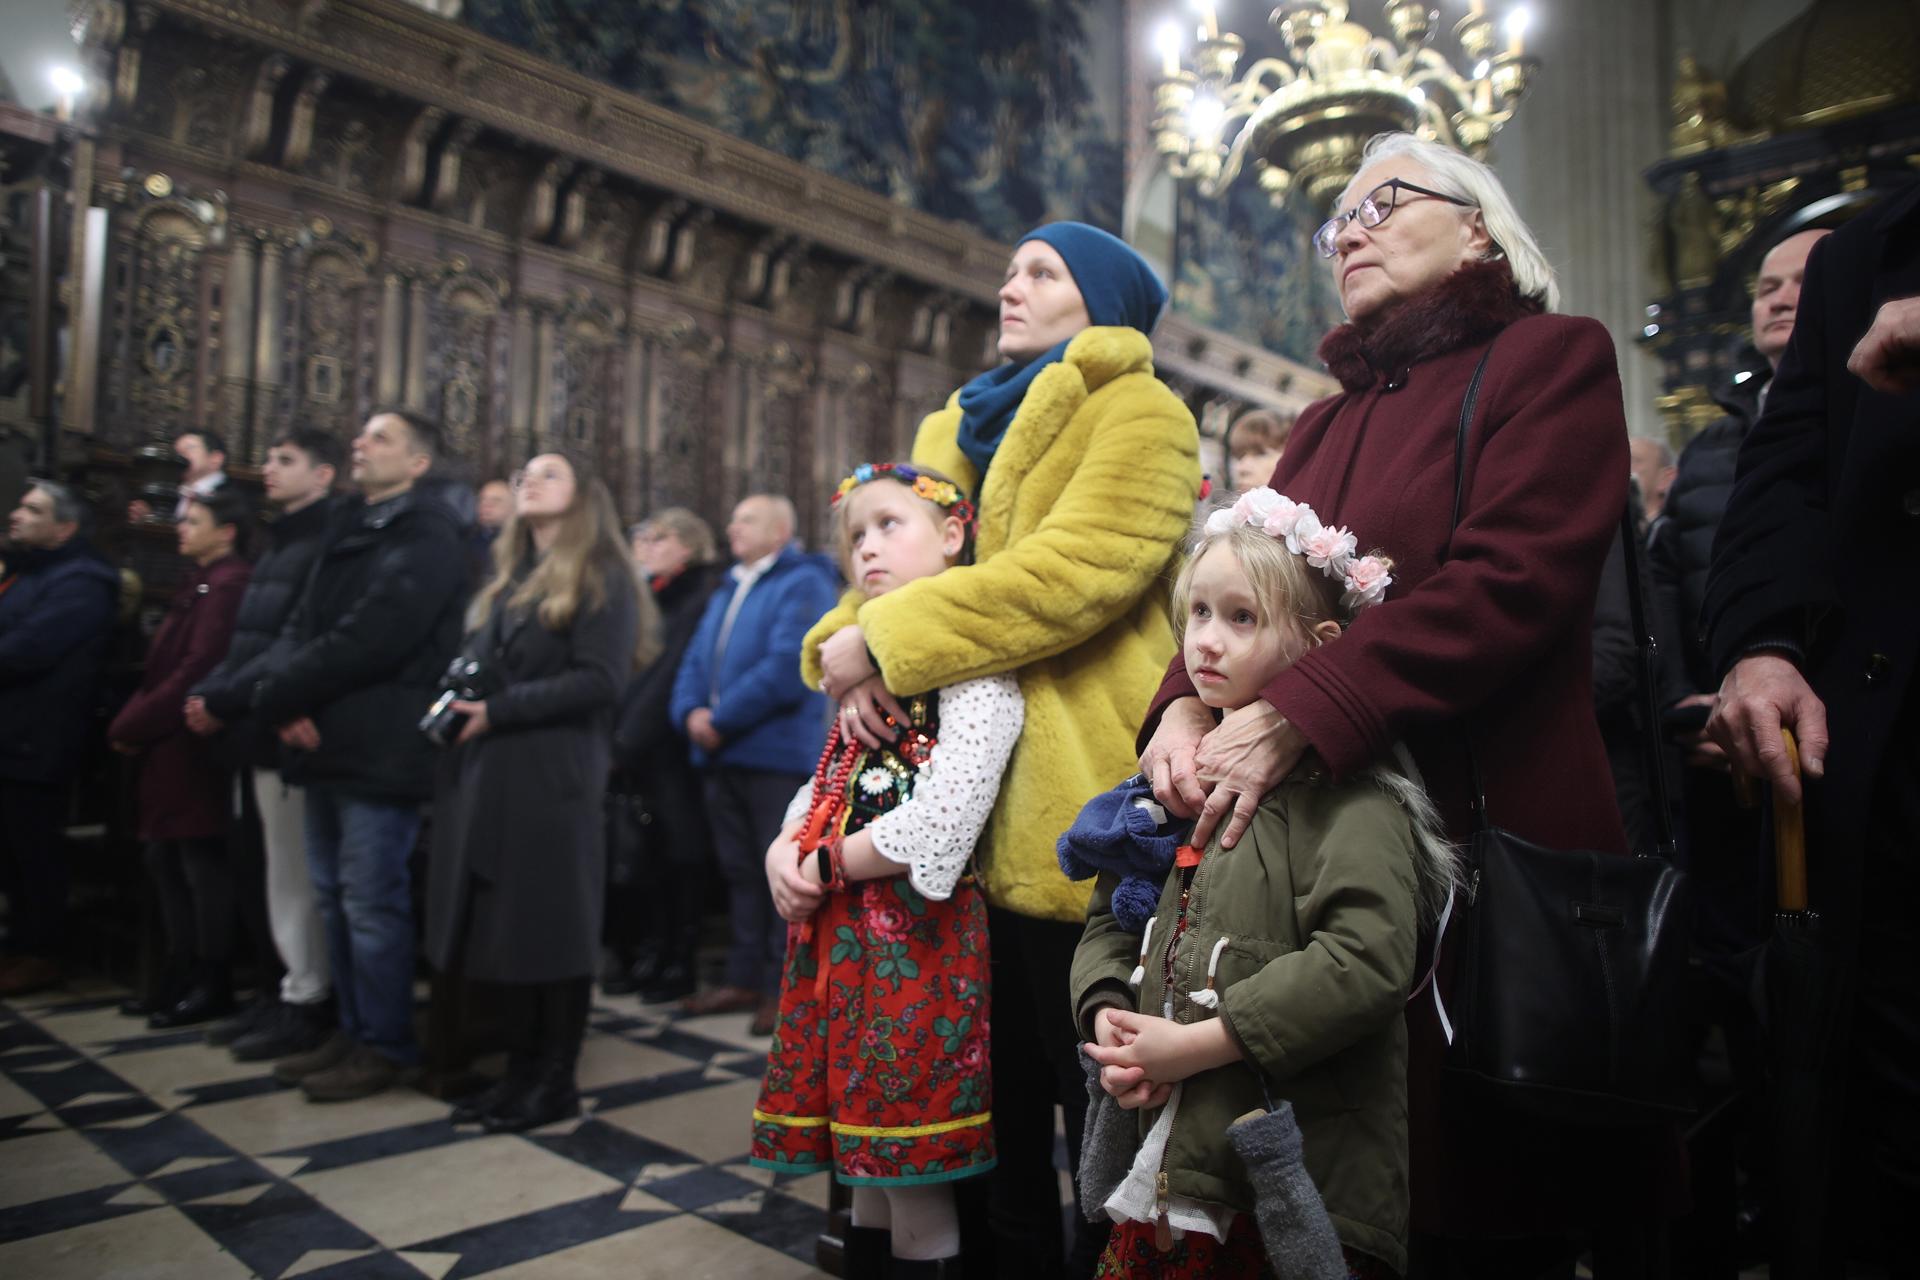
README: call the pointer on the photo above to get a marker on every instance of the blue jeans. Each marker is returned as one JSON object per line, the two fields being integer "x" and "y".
{"x": 358, "y": 851}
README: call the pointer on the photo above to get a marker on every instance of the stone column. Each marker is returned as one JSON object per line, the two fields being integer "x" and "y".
{"x": 389, "y": 352}
{"x": 629, "y": 486}
{"x": 266, "y": 336}
{"x": 415, "y": 382}
{"x": 520, "y": 409}
{"x": 1572, "y": 159}
{"x": 542, "y": 425}
{"x": 237, "y": 350}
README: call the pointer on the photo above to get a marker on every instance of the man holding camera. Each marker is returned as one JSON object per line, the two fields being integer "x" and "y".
{"x": 365, "y": 647}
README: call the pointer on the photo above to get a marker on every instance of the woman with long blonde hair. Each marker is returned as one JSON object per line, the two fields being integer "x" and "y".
{"x": 517, "y": 882}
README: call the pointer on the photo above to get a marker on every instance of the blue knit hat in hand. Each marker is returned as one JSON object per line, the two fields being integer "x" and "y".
{"x": 1117, "y": 832}
{"x": 1116, "y": 283}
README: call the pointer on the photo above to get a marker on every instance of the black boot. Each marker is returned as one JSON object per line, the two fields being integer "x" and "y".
{"x": 201, "y": 1004}
{"x": 551, "y": 1096}
{"x": 673, "y": 976}
{"x": 164, "y": 988}
{"x": 649, "y": 959}
{"x": 559, "y": 1025}
{"x": 210, "y": 997}
{"x": 477, "y": 1108}
{"x": 674, "y": 982}
{"x": 616, "y": 972}
{"x": 933, "y": 1269}
{"x": 864, "y": 1253}
{"x": 261, "y": 1011}
{"x": 294, "y": 1028}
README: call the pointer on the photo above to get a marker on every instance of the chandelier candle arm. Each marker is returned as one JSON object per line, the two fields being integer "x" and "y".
{"x": 1209, "y": 20}
{"x": 1307, "y": 117}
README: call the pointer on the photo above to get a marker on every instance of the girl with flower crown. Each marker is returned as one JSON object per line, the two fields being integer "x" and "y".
{"x": 878, "y": 1068}
{"x": 1273, "y": 972}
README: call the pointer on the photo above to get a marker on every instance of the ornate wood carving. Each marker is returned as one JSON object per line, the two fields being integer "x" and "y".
{"x": 584, "y": 371}
{"x": 300, "y": 118}
{"x": 162, "y": 367}
{"x": 256, "y": 126}
{"x": 410, "y": 177}
{"x": 333, "y": 339}
{"x": 467, "y": 362}
{"x": 534, "y": 260}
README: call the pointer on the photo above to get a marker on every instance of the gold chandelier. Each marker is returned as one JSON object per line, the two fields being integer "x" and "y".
{"x": 1303, "y": 121}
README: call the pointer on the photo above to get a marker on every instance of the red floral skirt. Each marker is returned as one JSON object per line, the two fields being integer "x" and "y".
{"x": 1132, "y": 1255}
{"x": 879, "y": 1061}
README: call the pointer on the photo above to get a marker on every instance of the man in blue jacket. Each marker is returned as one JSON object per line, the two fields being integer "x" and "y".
{"x": 57, "y": 604}
{"x": 756, "y": 731}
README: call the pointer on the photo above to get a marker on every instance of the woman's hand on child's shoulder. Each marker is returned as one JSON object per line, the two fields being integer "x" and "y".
{"x": 796, "y": 895}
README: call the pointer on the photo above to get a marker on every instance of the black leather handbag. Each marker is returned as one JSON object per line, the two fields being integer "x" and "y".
{"x": 1570, "y": 976}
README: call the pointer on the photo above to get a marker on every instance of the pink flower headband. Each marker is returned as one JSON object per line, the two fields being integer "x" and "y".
{"x": 1330, "y": 550}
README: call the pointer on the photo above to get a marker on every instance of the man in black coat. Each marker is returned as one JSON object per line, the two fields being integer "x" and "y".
{"x": 674, "y": 549}
{"x": 299, "y": 475}
{"x": 376, "y": 626}
{"x": 1812, "y": 615}
{"x": 1680, "y": 545}
{"x": 57, "y": 604}
{"x": 1723, "y": 838}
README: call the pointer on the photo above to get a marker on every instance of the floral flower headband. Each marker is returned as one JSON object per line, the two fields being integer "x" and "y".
{"x": 1330, "y": 550}
{"x": 944, "y": 494}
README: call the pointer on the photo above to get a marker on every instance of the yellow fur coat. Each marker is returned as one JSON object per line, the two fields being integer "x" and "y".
{"x": 1084, "y": 507}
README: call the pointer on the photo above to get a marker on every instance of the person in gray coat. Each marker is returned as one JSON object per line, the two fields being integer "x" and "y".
{"x": 517, "y": 877}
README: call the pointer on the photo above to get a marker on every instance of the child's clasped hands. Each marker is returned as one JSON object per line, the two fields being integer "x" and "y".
{"x": 1142, "y": 1057}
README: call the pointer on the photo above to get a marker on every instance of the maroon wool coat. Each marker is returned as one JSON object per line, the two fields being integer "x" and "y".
{"x": 182, "y": 791}
{"x": 1490, "y": 624}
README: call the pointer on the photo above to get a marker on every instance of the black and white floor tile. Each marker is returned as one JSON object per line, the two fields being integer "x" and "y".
{"x": 128, "y": 1153}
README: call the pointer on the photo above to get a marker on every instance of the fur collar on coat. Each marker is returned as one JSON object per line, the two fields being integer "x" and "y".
{"x": 1469, "y": 306}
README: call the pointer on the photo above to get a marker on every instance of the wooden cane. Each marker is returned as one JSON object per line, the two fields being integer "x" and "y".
{"x": 1790, "y": 839}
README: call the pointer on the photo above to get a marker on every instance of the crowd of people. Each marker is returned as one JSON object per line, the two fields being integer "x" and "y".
{"x": 1029, "y": 798}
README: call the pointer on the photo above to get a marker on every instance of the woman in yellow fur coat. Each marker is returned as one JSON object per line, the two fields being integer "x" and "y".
{"x": 1086, "y": 469}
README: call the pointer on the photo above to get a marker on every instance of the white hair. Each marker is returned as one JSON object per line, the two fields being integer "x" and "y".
{"x": 1464, "y": 178}
{"x": 1665, "y": 454}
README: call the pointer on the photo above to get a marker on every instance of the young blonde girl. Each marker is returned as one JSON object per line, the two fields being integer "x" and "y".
{"x": 1275, "y": 971}
{"x": 878, "y": 1068}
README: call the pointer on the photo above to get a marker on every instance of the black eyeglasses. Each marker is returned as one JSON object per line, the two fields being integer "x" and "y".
{"x": 1374, "y": 209}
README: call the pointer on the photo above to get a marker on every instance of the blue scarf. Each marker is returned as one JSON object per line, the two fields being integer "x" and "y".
{"x": 1118, "y": 287}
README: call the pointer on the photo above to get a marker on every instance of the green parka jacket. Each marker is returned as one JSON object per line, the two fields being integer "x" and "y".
{"x": 1318, "y": 907}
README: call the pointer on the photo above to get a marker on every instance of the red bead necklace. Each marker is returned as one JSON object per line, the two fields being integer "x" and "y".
{"x": 829, "y": 789}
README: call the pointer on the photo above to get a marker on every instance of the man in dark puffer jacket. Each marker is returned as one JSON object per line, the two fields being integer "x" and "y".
{"x": 1681, "y": 544}
{"x": 299, "y": 475}
{"x": 378, "y": 623}
{"x": 1722, "y": 839}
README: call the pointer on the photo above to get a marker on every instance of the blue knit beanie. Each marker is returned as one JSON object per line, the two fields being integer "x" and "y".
{"x": 1116, "y": 831}
{"x": 1116, "y": 283}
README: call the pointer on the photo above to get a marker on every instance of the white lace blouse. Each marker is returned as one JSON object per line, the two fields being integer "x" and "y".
{"x": 933, "y": 833}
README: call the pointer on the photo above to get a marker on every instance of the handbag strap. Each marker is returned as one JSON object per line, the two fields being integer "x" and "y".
{"x": 1644, "y": 675}
{"x": 1468, "y": 403}
{"x": 1642, "y": 637}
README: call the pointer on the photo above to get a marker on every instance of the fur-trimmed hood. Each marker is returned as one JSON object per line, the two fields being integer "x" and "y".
{"x": 1469, "y": 306}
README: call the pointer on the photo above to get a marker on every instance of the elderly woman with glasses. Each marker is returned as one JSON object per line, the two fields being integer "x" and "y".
{"x": 1484, "y": 636}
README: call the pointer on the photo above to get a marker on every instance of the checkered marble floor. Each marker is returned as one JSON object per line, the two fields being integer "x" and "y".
{"x": 130, "y": 1153}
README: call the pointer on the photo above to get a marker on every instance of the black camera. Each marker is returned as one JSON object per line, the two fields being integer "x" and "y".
{"x": 465, "y": 681}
